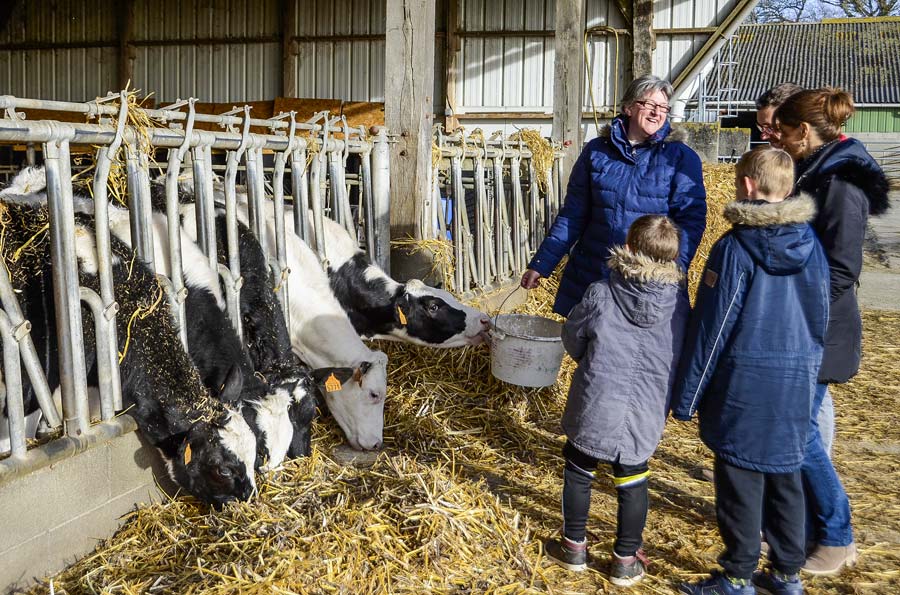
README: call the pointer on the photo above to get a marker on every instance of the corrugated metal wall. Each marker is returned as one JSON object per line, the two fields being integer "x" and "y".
{"x": 874, "y": 119}
{"x": 74, "y": 74}
{"x": 674, "y": 51}
{"x": 180, "y": 67}
{"x": 505, "y": 72}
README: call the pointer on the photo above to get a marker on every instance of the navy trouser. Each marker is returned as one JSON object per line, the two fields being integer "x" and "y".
{"x": 631, "y": 491}
{"x": 741, "y": 497}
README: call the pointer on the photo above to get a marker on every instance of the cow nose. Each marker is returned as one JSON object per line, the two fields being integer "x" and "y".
{"x": 376, "y": 446}
{"x": 485, "y": 321}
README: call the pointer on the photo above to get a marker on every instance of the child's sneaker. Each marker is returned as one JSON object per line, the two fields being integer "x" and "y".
{"x": 571, "y": 555}
{"x": 718, "y": 584}
{"x": 776, "y": 583}
{"x": 628, "y": 571}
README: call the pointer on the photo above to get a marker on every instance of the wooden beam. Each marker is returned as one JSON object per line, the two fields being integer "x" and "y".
{"x": 408, "y": 111}
{"x": 125, "y": 30}
{"x": 567, "y": 81}
{"x": 452, "y": 59}
{"x": 642, "y": 37}
{"x": 288, "y": 12}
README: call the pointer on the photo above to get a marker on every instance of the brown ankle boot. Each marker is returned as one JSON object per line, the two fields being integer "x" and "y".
{"x": 827, "y": 560}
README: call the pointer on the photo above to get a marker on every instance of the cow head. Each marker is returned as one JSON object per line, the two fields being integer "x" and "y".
{"x": 433, "y": 317}
{"x": 215, "y": 462}
{"x": 355, "y": 397}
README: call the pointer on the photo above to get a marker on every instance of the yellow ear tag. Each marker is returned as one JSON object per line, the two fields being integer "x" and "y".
{"x": 187, "y": 454}
{"x": 402, "y": 316}
{"x": 332, "y": 384}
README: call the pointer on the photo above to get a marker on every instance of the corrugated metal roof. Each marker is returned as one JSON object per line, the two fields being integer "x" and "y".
{"x": 861, "y": 56}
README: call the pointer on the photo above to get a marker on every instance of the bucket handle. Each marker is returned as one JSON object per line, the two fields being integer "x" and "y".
{"x": 494, "y": 329}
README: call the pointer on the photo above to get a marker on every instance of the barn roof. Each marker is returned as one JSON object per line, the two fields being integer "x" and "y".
{"x": 859, "y": 55}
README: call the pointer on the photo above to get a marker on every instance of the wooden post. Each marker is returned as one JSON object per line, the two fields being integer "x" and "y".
{"x": 567, "y": 83}
{"x": 125, "y": 29}
{"x": 452, "y": 61}
{"x": 642, "y": 38}
{"x": 408, "y": 114}
{"x": 288, "y": 12}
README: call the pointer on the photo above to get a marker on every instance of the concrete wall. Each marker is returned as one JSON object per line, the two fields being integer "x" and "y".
{"x": 59, "y": 512}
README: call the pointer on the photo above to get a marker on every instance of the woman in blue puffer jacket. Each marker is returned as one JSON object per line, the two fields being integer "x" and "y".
{"x": 638, "y": 166}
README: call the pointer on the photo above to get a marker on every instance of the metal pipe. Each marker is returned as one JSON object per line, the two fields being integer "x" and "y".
{"x": 315, "y": 196}
{"x": 139, "y": 208}
{"x": 12, "y": 373}
{"x": 73, "y": 385}
{"x": 206, "y": 237}
{"x": 480, "y": 240}
{"x": 280, "y": 262}
{"x": 366, "y": 198}
{"x": 516, "y": 223}
{"x": 29, "y": 356}
{"x": 256, "y": 196}
{"x": 233, "y": 280}
{"x": 501, "y": 229}
{"x": 105, "y": 156}
{"x": 104, "y": 358}
{"x": 300, "y": 192}
{"x": 381, "y": 199}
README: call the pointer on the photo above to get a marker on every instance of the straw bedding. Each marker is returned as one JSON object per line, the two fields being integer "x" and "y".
{"x": 468, "y": 485}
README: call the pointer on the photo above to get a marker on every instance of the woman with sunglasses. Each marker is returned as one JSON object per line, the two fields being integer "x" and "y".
{"x": 848, "y": 186}
{"x": 637, "y": 166}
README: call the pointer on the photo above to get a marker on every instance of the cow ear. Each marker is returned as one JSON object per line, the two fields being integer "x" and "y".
{"x": 230, "y": 391}
{"x": 330, "y": 380}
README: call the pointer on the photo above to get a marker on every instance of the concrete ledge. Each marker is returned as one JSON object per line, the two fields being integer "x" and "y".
{"x": 73, "y": 496}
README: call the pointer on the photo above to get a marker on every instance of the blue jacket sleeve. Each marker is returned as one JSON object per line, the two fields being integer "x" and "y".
{"x": 720, "y": 299}
{"x": 687, "y": 204}
{"x": 571, "y": 220}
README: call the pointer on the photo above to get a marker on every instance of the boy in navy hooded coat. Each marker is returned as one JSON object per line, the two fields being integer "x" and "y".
{"x": 749, "y": 367}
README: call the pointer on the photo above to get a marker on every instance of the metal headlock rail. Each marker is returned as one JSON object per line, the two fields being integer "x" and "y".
{"x": 511, "y": 214}
{"x": 319, "y": 182}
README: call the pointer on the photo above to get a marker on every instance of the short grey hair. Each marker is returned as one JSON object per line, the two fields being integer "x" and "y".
{"x": 645, "y": 85}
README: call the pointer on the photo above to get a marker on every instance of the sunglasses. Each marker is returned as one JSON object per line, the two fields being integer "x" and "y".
{"x": 650, "y": 106}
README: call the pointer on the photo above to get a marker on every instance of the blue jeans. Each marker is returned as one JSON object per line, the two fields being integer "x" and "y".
{"x": 826, "y": 501}
{"x": 825, "y": 420}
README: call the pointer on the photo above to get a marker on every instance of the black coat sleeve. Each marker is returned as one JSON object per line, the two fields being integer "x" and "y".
{"x": 841, "y": 227}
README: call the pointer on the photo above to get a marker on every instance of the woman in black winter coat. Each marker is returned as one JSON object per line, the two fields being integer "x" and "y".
{"x": 848, "y": 186}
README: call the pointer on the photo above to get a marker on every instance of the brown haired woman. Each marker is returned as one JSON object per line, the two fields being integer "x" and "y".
{"x": 848, "y": 186}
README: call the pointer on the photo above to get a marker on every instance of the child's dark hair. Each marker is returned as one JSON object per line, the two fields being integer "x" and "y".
{"x": 655, "y": 236}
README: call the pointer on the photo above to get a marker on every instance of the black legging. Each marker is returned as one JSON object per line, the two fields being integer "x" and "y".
{"x": 631, "y": 490}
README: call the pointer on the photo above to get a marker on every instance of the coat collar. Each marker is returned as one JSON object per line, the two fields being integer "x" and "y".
{"x": 758, "y": 213}
{"x": 616, "y": 132}
{"x": 639, "y": 267}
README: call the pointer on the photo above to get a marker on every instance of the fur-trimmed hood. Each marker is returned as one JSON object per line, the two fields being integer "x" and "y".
{"x": 645, "y": 290}
{"x": 636, "y": 266}
{"x": 757, "y": 213}
{"x": 777, "y": 235}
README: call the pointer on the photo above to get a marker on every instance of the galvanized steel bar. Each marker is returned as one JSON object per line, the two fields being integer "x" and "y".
{"x": 28, "y": 353}
{"x": 232, "y": 273}
{"x": 459, "y": 239}
{"x": 138, "y": 207}
{"x": 366, "y": 201}
{"x": 105, "y": 361}
{"x": 501, "y": 228}
{"x": 481, "y": 245}
{"x": 516, "y": 222}
{"x": 105, "y": 157}
{"x": 72, "y": 374}
{"x": 315, "y": 197}
{"x": 381, "y": 199}
{"x": 203, "y": 204}
{"x": 300, "y": 192}
{"x": 12, "y": 377}
{"x": 256, "y": 196}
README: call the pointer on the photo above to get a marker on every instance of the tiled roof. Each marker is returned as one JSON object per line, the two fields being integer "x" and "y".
{"x": 859, "y": 55}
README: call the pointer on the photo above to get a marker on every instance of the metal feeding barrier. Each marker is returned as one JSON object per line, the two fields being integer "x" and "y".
{"x": 343, "y": 168}
{"x": 488, "y": 202}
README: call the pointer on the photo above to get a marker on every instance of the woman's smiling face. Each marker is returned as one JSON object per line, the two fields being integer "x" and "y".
{"x": 647, "y": 115}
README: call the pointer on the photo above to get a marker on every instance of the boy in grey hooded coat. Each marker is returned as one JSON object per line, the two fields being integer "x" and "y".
{"x": 626, "y": 336}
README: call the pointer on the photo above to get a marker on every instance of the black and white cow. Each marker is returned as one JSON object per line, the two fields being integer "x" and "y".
{"x": 380, "y": 307}
{"x": 208, "y": 448}
{"x": 351, "y": 377}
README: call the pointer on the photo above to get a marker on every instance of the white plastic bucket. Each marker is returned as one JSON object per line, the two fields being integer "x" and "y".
{"x": 526, "y": 350}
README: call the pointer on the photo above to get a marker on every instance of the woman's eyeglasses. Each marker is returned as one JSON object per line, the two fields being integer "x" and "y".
{"x": 650, "y": 106}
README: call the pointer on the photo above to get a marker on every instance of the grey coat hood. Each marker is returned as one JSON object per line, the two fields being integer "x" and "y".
{"x": 645, "y": 290}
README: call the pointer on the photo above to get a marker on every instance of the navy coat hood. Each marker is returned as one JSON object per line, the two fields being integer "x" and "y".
{"x": 756, "y": 336}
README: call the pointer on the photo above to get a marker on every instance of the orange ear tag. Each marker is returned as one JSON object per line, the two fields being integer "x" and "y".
{"x": 187, "y": 454}
{"x": 402, "y": 316}
{"x": 332, "y": 384}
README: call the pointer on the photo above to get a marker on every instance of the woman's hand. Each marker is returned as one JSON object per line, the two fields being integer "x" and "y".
{"x": 531, "y": 279}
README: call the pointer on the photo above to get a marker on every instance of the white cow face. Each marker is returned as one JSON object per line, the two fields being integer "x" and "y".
{"x": 435, "y": 318}
{"x": 355, "y": 397}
